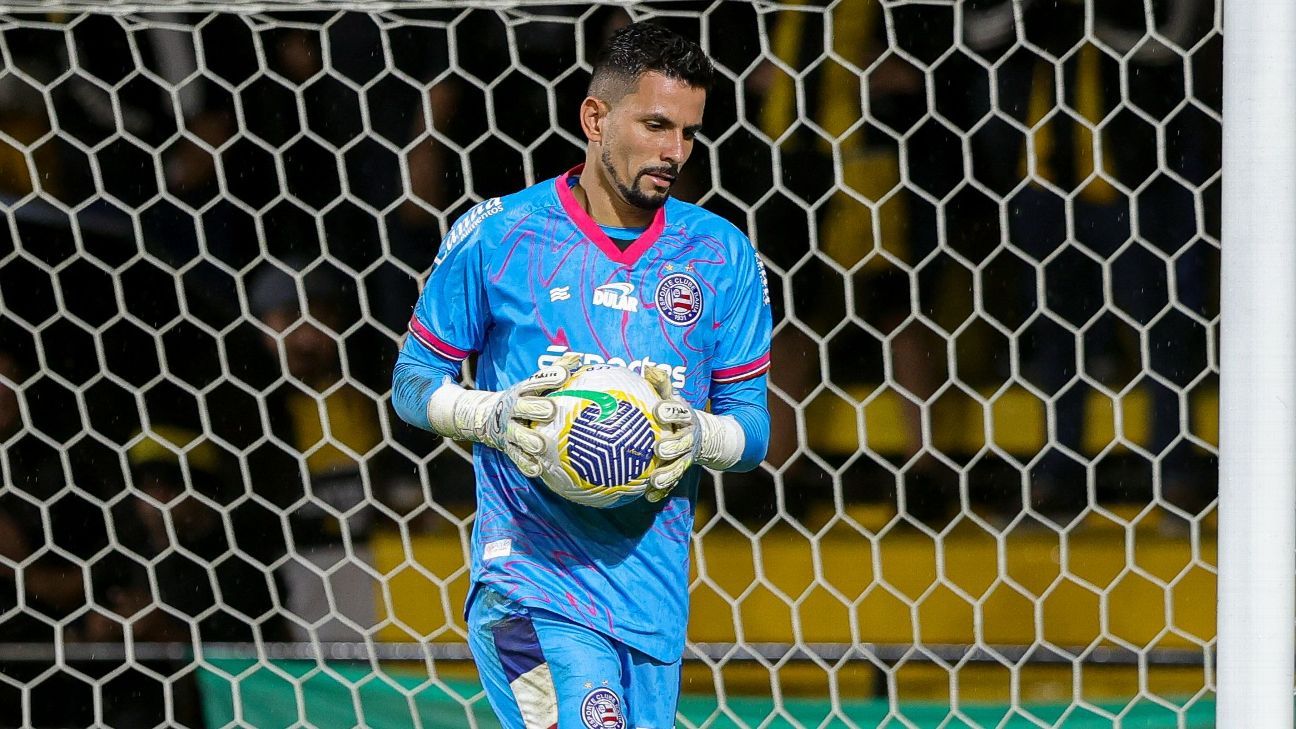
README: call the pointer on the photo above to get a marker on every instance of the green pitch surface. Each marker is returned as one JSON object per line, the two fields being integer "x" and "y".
{"x": 306, "y": 693}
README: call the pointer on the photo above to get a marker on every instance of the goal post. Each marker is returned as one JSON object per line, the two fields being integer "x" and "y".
{"x": 993, "y": 237}
{"x": 1257, "y": 563}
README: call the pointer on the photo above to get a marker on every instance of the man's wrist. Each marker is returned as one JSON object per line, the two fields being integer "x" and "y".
{"x": 722, "y": 439}
{"x": 458, "y": 413}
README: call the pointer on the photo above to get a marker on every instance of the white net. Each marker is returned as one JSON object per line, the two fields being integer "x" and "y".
{"x": 992, "y": 229}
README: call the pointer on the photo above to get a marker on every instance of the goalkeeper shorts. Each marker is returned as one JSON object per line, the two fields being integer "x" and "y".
{"x": 541, "y": 671}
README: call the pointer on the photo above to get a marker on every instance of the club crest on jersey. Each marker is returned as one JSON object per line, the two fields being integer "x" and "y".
{"x": 601, "y": 709}
{"x": 619, "y": 296}
{"x": 679, "y": 299}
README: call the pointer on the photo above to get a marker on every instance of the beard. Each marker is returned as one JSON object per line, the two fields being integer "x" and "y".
{"x": 631, "y": 192}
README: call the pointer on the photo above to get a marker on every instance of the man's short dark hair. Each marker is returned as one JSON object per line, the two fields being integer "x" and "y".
{"x": 642, "y": 47}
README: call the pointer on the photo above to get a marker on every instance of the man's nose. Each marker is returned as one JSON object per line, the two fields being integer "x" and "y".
{"x": 675, "y": 150}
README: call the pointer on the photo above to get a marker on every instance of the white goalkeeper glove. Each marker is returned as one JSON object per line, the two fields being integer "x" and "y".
{"x": 689, "y": 436}
{"x": 502, "y": 419}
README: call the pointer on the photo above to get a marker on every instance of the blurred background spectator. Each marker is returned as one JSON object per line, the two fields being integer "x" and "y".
{"x": 316, "y": 412}
{"x": 38, "y": 585}
{"x": 207, "y": 560}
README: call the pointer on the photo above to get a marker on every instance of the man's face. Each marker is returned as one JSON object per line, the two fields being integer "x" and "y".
{"x": 648, "y": 135}
{"x": 311, "y": 353}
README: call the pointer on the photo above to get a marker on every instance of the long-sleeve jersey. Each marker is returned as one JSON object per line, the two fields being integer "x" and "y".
{"x": 522, "y": 280}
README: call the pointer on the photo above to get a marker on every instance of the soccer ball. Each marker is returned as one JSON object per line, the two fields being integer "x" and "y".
{"x": 603, "y": 437}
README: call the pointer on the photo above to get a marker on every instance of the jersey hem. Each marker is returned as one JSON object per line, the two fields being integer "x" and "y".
{"x": 654, "y": 649}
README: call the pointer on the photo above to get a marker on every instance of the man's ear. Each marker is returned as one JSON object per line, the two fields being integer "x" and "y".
{"x": 592, "y": 113}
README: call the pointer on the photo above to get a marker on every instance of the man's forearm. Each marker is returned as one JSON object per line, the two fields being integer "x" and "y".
{"x": 418, "y": 374}
{"x": 736, "y": 432}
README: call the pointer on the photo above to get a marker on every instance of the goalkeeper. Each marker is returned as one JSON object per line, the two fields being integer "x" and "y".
{"x": 577, "y": 615}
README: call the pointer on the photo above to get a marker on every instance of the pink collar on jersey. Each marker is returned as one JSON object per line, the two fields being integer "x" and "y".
{"x": 595, "y": 233}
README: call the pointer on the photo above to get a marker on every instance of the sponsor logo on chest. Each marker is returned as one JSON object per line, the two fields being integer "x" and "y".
{"x": 619, "y": 296}
{"x": 677, "y": 372}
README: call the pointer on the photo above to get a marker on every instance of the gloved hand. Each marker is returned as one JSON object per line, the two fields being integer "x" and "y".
{"x": 689, "y": 436}
{"x": 678, "y": 445}
{"x": 502, "y": 420}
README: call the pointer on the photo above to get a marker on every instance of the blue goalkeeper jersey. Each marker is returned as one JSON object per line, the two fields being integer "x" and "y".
{"x": 522, "y": 280}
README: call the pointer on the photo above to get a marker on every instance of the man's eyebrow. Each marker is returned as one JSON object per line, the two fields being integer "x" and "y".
{"x": 662, "y": 116}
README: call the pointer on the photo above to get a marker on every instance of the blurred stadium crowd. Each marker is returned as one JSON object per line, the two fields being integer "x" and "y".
{"x": 317, "y": 157}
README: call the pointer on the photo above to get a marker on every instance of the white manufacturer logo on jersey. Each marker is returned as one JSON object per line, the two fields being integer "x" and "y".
{"x": 560, "y": 293}
{"x": 619, "y": 296}
{"x": 676, "y": 372}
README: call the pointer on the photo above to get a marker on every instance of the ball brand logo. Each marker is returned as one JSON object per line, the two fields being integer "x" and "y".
{"x": 605, "y": 402}
{"x": 679, "y": 299}
{"x": 560, "y": 293}
{"x": 619, "y": 296}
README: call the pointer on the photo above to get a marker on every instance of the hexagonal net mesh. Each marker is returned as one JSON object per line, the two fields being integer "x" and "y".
{"x": 993, "y": 236}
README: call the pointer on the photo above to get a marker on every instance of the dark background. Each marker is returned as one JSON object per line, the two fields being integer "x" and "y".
{"x": 140, "y": 222}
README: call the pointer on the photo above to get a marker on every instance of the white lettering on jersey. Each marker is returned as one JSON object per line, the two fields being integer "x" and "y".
{"x": 467, "y": 224}
{"x": 619, "y": 296}
{"x": 760, "y": 266}
{"x": 560, "y": 293}
{"x": 676, "y": 372}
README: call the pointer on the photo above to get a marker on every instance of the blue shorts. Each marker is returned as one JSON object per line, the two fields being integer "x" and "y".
{"x": 541, "y": 671}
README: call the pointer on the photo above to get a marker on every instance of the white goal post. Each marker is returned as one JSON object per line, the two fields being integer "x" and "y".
{"x": 993, "y": 230}
{"x": 1258, "y": 367}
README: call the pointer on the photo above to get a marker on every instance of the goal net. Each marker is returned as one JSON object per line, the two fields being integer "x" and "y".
{"x": 992, "y": 232}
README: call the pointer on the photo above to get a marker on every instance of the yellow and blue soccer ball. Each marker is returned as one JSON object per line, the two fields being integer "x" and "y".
{"x": 603, "y": 438}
